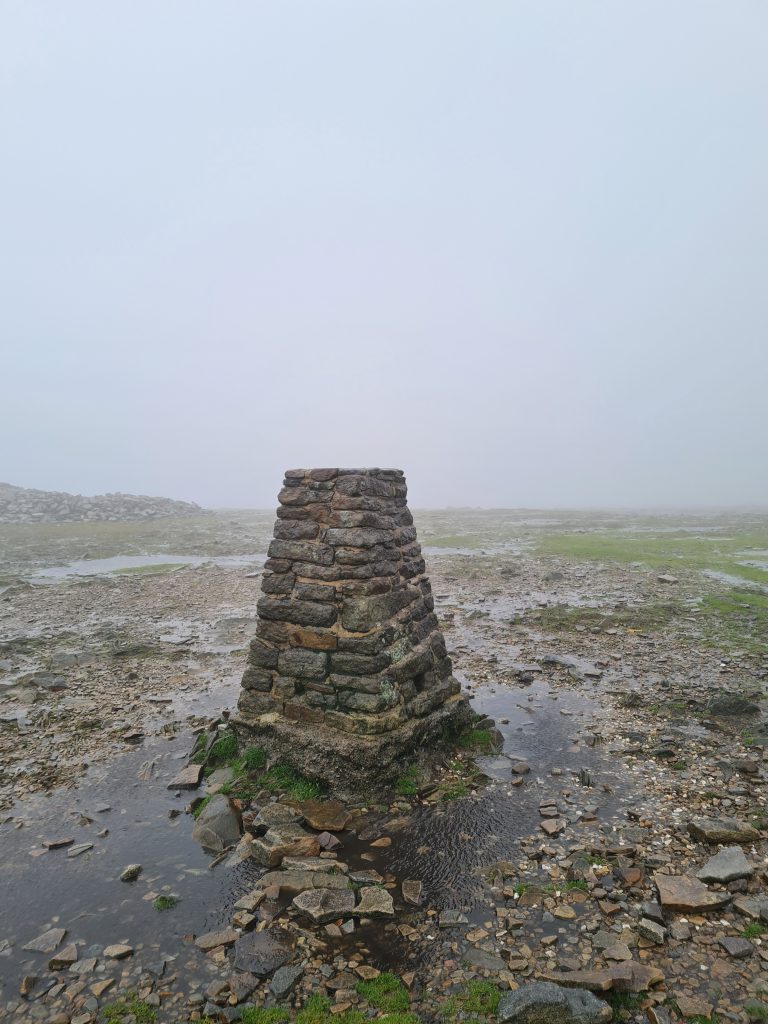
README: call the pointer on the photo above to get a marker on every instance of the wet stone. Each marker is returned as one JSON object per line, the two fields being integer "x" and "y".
{"x": 325, "y": 815}
{"x": 262, "y": 953}
{"x": 47, "y": 942}
{"x": 130, "y": 873}
{"x": 284, "y": 981}
{"x": 187, "y": 778}
{"x": 64, "y": 958}
{"x": 545, "y": 1003}
{"x": 375, "y": 902}
{"x": 211, "y": 940}
{"x": 324, "y": 905}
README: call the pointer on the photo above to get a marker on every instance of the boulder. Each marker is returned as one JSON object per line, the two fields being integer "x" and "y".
{"x": 542, "y": 1002}
{"x": 218, "y": 825}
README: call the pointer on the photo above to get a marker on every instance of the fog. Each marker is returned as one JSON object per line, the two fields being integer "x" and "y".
{"x": 517, "y": 249}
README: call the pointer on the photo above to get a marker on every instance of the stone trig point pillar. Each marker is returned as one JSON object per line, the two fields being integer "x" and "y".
{"x": 348, "y": 671}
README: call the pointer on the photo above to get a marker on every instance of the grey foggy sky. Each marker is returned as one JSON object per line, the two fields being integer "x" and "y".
{"x": 517, "y": 249}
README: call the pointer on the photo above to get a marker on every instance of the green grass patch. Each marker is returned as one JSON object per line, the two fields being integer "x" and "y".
{"x": 199, "y": 808}
{"x": 618, "y": 1001}
{"x": 478, "y": 998}
{"x": 223, "y": 751}
{"x": 141, "y": 1012}
{"x": 385, "y": 993}
{"x": 165, "y": 903}
{"x": 317, "y": 1010}
{"x": 406, "y": 784}
{"x": 753, "y": 930}
{"x": 283, "y": 778}
{"x": 253, "y": 759}
{"x": 264, "y": 1015}
{"x": 717, "y": 552}
{"x": 454, "y": 791}
{"x": 477, "y": 739}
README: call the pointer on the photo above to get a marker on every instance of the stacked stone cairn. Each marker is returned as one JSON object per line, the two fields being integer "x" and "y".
{"x": 349, "y": 670}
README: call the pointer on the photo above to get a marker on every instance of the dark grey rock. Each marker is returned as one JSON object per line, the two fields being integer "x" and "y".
{"x": 726, "y": 865}
{"x": 284, "y": 980}
{"x": 219, "y": 825}
{"x": 262, "y": 953}
{"x": 543, "y": 1002}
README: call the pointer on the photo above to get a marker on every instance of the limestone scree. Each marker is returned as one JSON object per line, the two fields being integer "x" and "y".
{"x": 348, "y": 670}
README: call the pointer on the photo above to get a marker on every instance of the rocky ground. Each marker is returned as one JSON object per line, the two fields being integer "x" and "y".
{"x": 29, "y": 505}
{"x": 616, "y": 844}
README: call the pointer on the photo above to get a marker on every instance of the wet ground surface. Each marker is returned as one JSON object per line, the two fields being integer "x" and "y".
{"x": 596, "y": 671}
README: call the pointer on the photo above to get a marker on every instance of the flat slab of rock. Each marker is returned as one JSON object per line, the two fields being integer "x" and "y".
{"x": 299, "y": 881}
{"x": 327, "y": 866}
{"x": 277, "y": 814}
{"x": 325, "y": 815}
{"x": 323, "y": 905}
{"x": 375, "y": 902}
{"x": 212, "y": 940}
{"x": 682, "y": 892}
{"x": 542, "y": 1002}
{"x": 628, "y": 977}
{"x": 188, "y": 778}
{"x": 737, "y": 948}
{"x": 262, "y": 953}
{"x": 722, "y": 830}
{"x": 75, "y": 851}
{"x": 47, "y": 942}
{"x": 412, "y": 891}
{"x": 283, "y": 841}
{"x": 727, "y": 865}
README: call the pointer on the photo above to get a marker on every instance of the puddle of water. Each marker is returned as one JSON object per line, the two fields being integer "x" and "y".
{"x": 123, "y": 563}
{"x": 738, "y": 581}
{"x": 441, "y": 845}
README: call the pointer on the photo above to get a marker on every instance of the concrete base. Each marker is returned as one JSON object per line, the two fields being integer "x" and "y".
{"x": 352, "y": 766}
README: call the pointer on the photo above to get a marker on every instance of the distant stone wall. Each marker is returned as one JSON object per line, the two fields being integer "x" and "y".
{"x": 24, "y": 505}
{"x": 348, "y": 652}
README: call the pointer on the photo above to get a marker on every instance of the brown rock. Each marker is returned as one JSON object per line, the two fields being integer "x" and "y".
{"x": 211, "y": 940}
{"x": 325, "y": 815}
{"x": 682, "y": 892}
{"x": 626, "y": 977}
{"x": 188, "y": 778}
{"x": 64, "y": 958}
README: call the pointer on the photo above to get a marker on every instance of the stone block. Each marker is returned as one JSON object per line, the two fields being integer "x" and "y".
{"x": 302, "y": 551}
{"x": 301, "y": 613}
{"x": 303, "y": 664}
{"x": 296, "y": 529}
